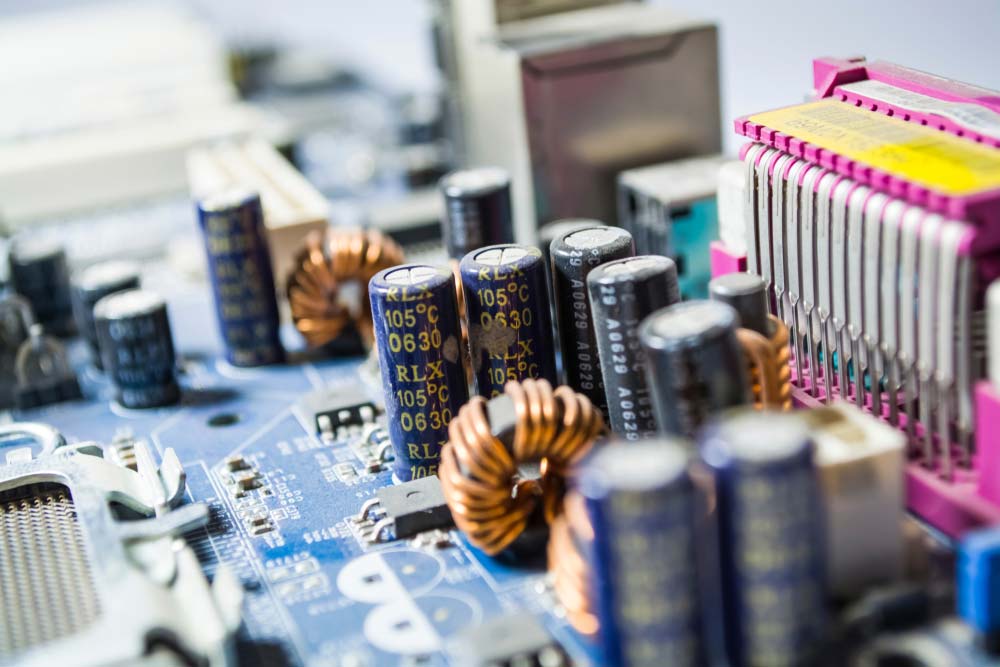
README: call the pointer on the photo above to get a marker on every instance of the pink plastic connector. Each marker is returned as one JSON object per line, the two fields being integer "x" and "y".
{"x": 725, "y": 260}
{"x": 988, "y": 440}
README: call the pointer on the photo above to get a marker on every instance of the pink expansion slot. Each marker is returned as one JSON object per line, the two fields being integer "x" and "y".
{"x": 971, "y": 496}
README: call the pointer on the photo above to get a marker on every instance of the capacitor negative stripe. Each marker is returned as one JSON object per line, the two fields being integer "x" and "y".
{"x": 239, "y": 266}
{"x": 622, "y": 294}
{"x": 92, "y": 285}
{"x": 137, "y": 349}
{"x": 507, "y": 306}
{"x": 769, "y": 538}
{"x": 39, "y": 272}
{"x": 477, "y": 210}
{"x": 640, "y": 502}
{"x": 696, "y": 366}
{"x": 574, "y": 255}
{"x": 418, "y": 338}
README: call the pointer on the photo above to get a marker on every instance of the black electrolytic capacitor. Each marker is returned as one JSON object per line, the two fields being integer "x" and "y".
{"x": 137, "y": 348}
{"x": 622, "y": 294}
{"x": 747, "y": 294}
{"x": 39, "y": 272}
{"x": 477, "y": 210}
{"x": 574, "y": 255}
{"x": 550, "y": 231}
{"x": 419, "y": 341}
{"x": 93, "y": 284}
{"x": 696, "y": 366}
{"x": 507, "y": 306}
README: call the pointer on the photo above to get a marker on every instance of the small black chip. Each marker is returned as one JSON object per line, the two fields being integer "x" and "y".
{"x": 415, "y": 506}
{"x": 333, "y": 409}
{"x": 508, "y": 640}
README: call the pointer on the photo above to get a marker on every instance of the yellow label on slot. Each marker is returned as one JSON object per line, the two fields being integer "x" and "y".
{"x": 934, "y": 159}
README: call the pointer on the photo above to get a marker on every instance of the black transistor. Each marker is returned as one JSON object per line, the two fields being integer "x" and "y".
{"x": 415, "y": 506}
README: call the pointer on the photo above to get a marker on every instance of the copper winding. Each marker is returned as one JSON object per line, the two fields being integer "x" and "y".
{"x": 770, "y": 373}
{"x": 463, "y": 319}
{"x": 327, "y": 263}
{"x": 480, "y": 475}
{"x": 568, "y": 568}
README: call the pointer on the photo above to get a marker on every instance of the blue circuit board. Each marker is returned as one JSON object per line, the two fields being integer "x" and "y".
{"x": 317, "y": 592}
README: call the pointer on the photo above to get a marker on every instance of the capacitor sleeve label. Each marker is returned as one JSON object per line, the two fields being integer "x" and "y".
{"x": 934, "y": 159}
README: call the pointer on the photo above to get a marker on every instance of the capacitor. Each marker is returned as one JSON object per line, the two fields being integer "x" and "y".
{"x": 622, "y": 294}
{"x": 507, "y": 307}
{"x": 550, "y": 231}
{"x": 239, "y": 267}
{"x": 418, "y": 338}
{"x": 763, "y": 337}
{"x": 747, "y": 294}
{"x": 137, "y": 349}
{"x": 641, "y": 504}
{"x": 770, "y": 538}
{"x": 39, "y": 272}
{"x": 92, "y": 285}
{"x": 574, "y": 255}
{"x": 477, "y": 210}
{"x": 695, "y": 364}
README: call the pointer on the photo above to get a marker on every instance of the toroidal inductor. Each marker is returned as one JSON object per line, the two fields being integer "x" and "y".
{"x": 570, "y": 536}
{"x": 327, "y": 269}
{"x": 492, "y": 443}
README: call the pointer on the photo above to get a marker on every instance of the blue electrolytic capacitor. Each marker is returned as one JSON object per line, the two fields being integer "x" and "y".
{"x": 239, "y": 267}
{"x": 622, "y": 294}
{"x": 507, "y": 307}
{"x": 641, "y": 505}
{"x": 770, "y": 537}
{"x": 419, "y": 341}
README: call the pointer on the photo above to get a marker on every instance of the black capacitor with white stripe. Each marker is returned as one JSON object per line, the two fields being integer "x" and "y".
{"x": 622, "y": 294}
{"x": 574, "y": 255}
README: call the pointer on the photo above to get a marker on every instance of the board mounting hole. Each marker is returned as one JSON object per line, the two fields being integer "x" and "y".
{"x": 223, "y": 419}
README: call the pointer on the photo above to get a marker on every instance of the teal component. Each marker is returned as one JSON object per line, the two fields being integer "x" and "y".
{"x": 693, "y": 228}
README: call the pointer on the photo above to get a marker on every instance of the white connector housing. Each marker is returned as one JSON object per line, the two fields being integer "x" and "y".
{"x": 731, "y": 196}
{"x": 292, "y": 206}
{"x": 860, "y": 462}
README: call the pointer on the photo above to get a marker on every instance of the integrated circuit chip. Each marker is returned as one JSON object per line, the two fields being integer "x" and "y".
{"x": 508, "y": 640}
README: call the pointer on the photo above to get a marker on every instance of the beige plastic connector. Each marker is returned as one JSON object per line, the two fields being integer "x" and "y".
{"x": 292, "y": 205}
{"x": 860, "y": 465}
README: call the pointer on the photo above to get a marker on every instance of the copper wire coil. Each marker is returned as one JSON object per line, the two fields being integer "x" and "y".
{"x": 770, "y": 374}
{"x": 568, "y": 568}
{"x": 328, "y": 262}
{"x": 463, "y": 319}
{"x": 480, "y": 474}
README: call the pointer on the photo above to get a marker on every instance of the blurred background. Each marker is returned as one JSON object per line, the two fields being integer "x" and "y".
{"x": 391, "y": 39}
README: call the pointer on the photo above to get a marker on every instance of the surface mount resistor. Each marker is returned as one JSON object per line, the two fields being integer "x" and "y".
{"x": 92, "y": 285}
{"x": 622, "y": 294}
{"x": 770, "y": 538}
{"x": 419, "y": 339}
{"x": 477, "y": 210}
{"x": 239, "y": 266}
{"x": 137, "y": 349}
{"x": 574, "y": 255}
{"x": 695, "y": 367}
{"x": 641, "y": 504}
{"x": 510, "y": 326}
